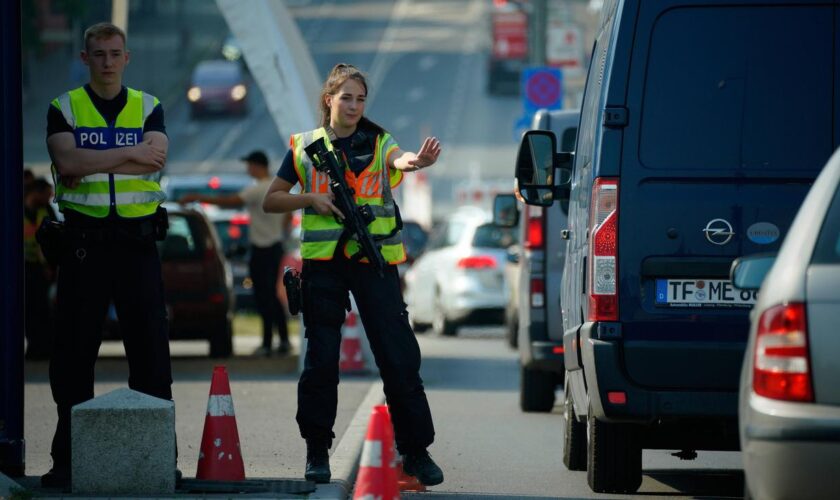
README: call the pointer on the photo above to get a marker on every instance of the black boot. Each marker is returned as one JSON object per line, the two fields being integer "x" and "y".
{"x": 420, "y": 465}
{"x": 317, "y": 462}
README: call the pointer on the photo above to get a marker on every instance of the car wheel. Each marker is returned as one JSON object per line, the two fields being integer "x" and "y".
{"x": 221, "y": 341}
{"x": 418, "y": 327}
{"x": 574, "y": 438}
{"x": 441, "y": 325}
{"x": 613, "y": 458}
{"x": 536, "y": 390}
{"x": 512, "y": 330}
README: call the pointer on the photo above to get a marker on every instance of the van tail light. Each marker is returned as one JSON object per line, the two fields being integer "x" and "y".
{"x": 534, "y": 236}
{"x": 477, "y": 262}
{"x": 537, "y": 293}
{"x": 781, "y": 369}
{"x": 603, "y": 251}
{"x": 240, "y": 219}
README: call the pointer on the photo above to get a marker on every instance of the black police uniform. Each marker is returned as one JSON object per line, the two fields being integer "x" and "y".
{"x": 325, "y": 294}
{"x": 105, "y": 260}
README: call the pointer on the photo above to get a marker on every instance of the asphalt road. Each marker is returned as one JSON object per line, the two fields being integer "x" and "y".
{"x": 489, "y": 448}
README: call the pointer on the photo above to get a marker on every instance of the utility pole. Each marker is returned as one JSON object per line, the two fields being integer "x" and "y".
{"x": 11, "y": 252}
{"x": 537, "y": 31}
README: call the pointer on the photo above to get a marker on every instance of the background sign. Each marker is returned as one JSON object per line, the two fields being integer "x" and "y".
{"x": 542, "y": 88}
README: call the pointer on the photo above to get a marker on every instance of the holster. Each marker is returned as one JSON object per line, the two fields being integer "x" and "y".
{"x": 291, "y": 280}
{"x": 51, "y": 236}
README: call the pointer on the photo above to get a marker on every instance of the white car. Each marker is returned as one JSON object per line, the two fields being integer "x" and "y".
{"x": 789, "y": 409}
{"x": 459, "y": 279}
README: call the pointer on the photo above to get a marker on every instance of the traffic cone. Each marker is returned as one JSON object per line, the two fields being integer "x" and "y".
{"x": 220, "y": 458}
{"x": 351, "y": 359}
{"x": 377, "y": 478}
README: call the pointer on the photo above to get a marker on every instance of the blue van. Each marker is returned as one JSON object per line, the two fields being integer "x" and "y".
{"x": 702, "y": 127}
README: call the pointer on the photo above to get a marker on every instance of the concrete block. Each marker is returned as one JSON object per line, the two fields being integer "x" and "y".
{"x": 123, "y": 442}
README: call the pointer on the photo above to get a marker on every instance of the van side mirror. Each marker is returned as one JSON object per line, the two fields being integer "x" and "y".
{"x": 543, "y": 176}
{"x": 505, "y": 211}
{"x": 747, "y": 273}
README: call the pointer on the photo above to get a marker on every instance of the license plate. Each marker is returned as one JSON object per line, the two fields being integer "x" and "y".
{"x": 702, "y": 293}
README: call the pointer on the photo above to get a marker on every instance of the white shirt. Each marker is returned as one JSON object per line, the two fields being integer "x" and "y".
{"x": 266, "y": 229}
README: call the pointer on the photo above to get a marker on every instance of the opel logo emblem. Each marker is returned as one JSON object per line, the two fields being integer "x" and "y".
{"x": 718, "y": 231}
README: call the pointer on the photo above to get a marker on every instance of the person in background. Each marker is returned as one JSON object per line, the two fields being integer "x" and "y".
{"x": 331, "y": 271}
{"x": 265, "y": 234}
{"x": 38, "y": 274}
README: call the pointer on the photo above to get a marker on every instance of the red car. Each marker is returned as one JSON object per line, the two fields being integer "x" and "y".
{"x": 218, "y": 86}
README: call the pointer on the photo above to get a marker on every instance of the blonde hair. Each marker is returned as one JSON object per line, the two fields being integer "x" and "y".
{"x": 103, "y": 30}
{"x": 340, "y": 73}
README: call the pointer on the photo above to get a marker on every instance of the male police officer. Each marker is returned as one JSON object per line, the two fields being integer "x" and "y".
{"x": 108, "y": 145}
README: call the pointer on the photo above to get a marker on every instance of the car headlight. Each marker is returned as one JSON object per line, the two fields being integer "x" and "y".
{"x": 238, "y": 92}
{"x": 194, "y": 94}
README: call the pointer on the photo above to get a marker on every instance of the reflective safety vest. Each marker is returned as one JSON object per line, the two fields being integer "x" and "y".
{"x": 320, "y": 233}
{"x": 31, "y": 250}
{"x": 131, "y": 195}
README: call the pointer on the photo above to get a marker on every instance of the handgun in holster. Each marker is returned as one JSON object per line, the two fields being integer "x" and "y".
{"x": 51, "y": 236}
{"x": 291, "y": 280}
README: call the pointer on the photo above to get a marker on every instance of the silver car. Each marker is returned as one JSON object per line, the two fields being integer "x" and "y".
{"x": 459, "y": 279}
{"x": 789, "y": 407}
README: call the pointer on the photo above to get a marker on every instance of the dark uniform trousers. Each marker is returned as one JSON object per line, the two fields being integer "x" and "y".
{"x": 264, "y": 267}
{"x": 94, "y": 269}
{"x": 325, "y": 286}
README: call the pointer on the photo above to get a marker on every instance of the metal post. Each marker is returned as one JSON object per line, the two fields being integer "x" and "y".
{"x": 537, "y": 29}
{"x": 11, "y": 252}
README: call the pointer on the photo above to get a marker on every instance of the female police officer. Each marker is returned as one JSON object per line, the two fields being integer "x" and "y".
{"x": 376, "y": 165}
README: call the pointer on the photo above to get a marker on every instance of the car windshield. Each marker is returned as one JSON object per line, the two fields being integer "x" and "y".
{"x": 180, "y": 243}
{"x": 414, "y": 238}
{"x": 493, "y": 236}
{"x": 217, "y": 74}
{"x": 234, "y": 235}
{"x": 827, "y": 250}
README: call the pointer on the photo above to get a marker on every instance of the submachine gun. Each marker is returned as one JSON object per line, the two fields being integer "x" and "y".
{"x": 356, "y": 218}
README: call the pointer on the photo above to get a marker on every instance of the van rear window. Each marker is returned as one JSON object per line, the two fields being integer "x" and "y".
{"x": 739, "y": 88}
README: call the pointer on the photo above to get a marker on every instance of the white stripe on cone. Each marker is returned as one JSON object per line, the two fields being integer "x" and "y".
{"x": 220, "y": 406}
{"x": 371, "y": 454}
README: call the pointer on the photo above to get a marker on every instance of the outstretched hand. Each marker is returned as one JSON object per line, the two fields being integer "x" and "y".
{"x": 428, "y": 154}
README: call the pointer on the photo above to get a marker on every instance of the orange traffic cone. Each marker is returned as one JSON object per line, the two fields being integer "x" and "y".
{"x": 377, "y": 477}
{"x": 351, "y": 359}
{"x": 220, "y": 457}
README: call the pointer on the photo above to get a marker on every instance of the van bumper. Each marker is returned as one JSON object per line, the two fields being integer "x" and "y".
{"x": 541, "y": 353}
{"x": 604, "y": 372}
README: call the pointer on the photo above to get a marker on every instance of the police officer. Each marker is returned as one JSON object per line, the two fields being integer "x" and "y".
{"x": 108, "y": 144}
{"x": 329, "y": 272}
{"x": 37, "y": 272}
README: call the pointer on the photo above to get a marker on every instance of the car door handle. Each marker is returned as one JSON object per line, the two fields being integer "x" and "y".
{"x": 565, "y": 234}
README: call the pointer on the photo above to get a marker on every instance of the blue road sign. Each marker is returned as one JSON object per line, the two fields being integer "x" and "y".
{"x": 542, "y": 88}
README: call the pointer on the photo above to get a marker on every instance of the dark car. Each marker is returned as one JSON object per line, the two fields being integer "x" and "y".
{"x": 231, "y": 225}
{"x": 197, "y": 282}
{"x": 687, "y": 157}
{"x": 218, "y": 86}
{"x": 533, "y": 317}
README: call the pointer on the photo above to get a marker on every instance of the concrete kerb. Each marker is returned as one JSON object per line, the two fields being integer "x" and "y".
{"x": 344, "y": 461}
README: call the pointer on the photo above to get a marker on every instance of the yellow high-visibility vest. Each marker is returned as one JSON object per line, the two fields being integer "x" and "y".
{"x": 320, "y": 233}
{"x": 131, "y": 195}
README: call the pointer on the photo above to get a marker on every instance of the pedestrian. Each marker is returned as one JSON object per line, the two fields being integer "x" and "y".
{"x": 38, "y": 274}
{"x": 265, "y": 235}
{"x": 376, "y": 166}
{"x": 108, "y": 144}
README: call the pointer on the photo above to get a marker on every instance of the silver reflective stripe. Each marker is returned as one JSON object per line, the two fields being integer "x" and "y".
{"x": 383, "y": 210}
{"x": 310, "y": 211}
{"x": 393, "y": 240}
{"x": 148, "y": 105}
{"x": 139, "y": 197}
{"x": 220, "y": 406}
{"x": 92, "y": 200}
{"x": 154, "y": 177}
{"x": 371, "y": 454}
{"x": 95, "y": 178}
{"x": 67, "y": 109}
{"x": 316, "y": 236}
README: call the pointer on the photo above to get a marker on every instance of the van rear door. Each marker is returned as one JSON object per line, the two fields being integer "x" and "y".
{"x": 730, "y": 118}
